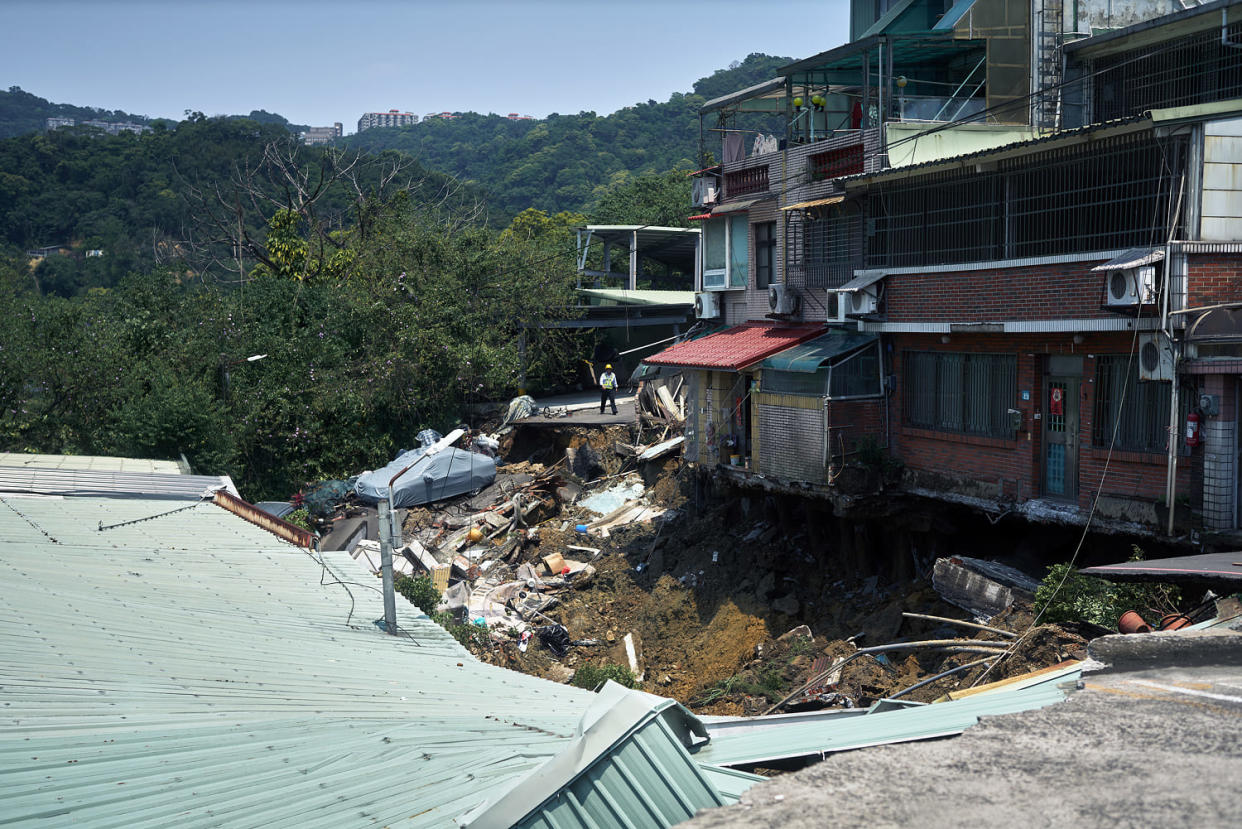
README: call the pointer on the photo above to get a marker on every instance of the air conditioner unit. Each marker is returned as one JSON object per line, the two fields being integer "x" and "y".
{"x": 1155, "y": 357}
{"x": 704, "y": 191}
{"x": 852, "y": 304}
{"x": 781, "y": 300}
{"x": 1131, "y": 287}
{"x": 706, "y": 306}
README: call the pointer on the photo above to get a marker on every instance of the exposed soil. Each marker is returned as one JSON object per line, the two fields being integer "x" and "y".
{"x": 708, "y": 594}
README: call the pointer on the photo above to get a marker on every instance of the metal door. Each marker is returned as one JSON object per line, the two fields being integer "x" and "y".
{"x": 1061, "y": 437}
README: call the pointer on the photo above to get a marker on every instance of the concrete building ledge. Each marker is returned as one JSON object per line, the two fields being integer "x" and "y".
{"x": 1173, "y": 649}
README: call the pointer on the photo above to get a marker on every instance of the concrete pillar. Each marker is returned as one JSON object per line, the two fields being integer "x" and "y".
{"x": 1220, "y": 456}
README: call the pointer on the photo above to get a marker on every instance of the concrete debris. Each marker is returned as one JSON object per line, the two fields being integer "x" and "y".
{"x": 981, "y": 588}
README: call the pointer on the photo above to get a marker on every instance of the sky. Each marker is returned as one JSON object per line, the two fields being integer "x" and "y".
{"x": 316, "y": 62}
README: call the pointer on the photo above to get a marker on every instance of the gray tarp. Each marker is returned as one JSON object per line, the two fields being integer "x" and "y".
{"x": 450, "y": 472}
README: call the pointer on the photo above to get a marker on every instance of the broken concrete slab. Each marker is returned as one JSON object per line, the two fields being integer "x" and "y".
{"x": 981, "y": 588}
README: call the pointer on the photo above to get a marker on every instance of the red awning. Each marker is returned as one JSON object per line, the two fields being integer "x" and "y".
{"x": 736, "y": 347}
{"x": 699, "y": 217}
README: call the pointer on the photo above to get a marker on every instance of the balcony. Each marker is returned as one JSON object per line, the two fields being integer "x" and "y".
{"x": 746, "y": 182}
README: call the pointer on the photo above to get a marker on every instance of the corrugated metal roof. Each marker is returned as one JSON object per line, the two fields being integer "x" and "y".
{"x": 808, "y": 739}
{"x": 802, "y": 205}
{"x": 641, "y": 297}
{"x": 736, "y": 347}
{"x": 629, "y": 766}
{"x": 1132, "y": 258}
{"x": 186, "y": 667}
{"x": 110, "y": 483}
{"x": 97, "y": 463}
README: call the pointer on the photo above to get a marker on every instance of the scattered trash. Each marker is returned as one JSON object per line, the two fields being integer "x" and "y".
{"x": 555, "y": 638}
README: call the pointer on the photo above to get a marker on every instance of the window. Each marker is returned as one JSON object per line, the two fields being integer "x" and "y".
{"x": 725, "y": 247}
{"x": 1142, "y": 407}
{"x": 957, "y": 392}
{"x": 765, "y": 248}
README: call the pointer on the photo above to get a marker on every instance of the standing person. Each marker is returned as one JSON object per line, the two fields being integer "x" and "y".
{"x": 608, "y": 389}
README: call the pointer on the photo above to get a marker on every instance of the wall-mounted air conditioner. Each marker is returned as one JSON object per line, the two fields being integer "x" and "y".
{"x": 706, "y": 306}
{"x": 705, "y": 191}
{"x": 1155, "y": 357}
{"x": 852, "y": 304}
{"x": 1132, "y": 287}
{"x": 781, "y": 300}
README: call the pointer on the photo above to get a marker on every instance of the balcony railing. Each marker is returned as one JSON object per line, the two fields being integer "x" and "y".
{"x": 746, "y": 182}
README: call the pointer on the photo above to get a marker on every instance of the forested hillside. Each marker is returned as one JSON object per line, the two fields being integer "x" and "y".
{"x": 22, "y": 113}
{"x": 379, "y": 297}
{"x": 567, "y": 162}
{"x": 140, "y": 200}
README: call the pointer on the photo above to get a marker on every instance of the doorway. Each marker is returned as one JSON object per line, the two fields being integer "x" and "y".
{"x": 1060, "y": 433}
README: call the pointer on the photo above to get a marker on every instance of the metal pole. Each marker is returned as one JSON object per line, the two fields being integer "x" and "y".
{"x": 390, "y": 600}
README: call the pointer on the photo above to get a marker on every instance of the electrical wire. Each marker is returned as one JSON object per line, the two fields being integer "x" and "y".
{"x": 1103, "y": 472}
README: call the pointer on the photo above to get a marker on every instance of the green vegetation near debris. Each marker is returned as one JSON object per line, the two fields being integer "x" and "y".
{"x": 591, "y": 676}
{"x": 1065, "y": 595}
{"x": 379, "y": 297}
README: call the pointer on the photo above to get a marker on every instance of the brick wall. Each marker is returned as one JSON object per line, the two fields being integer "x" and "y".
{"x": 1012, "y": 468}
{"x": 1059, "y": 291}
{"x": 1213, "y": 278}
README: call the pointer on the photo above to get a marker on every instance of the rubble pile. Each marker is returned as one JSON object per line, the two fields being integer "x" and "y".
{"x": 588, "y": 548}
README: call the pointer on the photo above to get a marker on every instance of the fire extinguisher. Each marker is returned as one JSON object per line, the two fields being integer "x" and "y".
{"x": 1192, "y": 429}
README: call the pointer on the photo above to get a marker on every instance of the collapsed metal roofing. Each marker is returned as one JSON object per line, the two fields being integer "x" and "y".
{"x": 169, "y": 662}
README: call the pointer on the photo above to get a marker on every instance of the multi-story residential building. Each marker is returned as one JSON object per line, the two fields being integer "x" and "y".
{"x": 322, "y": 135}
{"x": 56, "y": 122}
{"x": 391, "y": 118}
{"x": 998, "y": 248}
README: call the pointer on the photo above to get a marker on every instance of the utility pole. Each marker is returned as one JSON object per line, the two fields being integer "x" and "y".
{"x": 386, "y": 538}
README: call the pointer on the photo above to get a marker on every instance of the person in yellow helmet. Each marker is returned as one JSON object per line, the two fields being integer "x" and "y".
{"x": 608, "y": 389}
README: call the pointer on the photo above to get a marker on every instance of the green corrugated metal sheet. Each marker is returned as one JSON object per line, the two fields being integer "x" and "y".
{"x": 921, "y": 723}
{"x": 190, "y": 668}
{"x": 97, "y": 463}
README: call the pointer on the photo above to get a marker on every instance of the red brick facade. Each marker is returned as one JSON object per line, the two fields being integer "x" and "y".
{"x": 1056, "y": 291}
{"x": 1011, "y": 469}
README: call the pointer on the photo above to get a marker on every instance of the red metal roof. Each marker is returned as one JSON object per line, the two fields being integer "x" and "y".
{"x": 736, "y": 347}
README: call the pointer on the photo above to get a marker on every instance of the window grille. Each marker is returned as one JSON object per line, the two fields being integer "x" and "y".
{"x": 1144, "y": 419}
{"x": 960, "y": 392}
{"x": 1195, "y": 69}
{"x": 823, "y": 249}
{"x": 857, "y": 375}
{"x": 765, "y": 253}
{"x": 809, "y": 384}
{"x": 1105, "y": 195}
{"x": 842, "y": 161}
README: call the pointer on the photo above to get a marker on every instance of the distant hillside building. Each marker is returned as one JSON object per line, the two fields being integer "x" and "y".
{"x": 56, "y": 122}
{"x": 391, "y": 118}
{"x": 110, "y": 127}
{"x": 323, "y": 135}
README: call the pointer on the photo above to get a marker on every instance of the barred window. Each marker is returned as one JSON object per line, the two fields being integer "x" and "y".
{"x": 960, "y": 392}
{"x": 1137, "y": 410}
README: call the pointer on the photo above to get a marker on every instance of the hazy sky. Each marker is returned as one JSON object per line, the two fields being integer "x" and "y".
{"x": 316, "y": 61}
